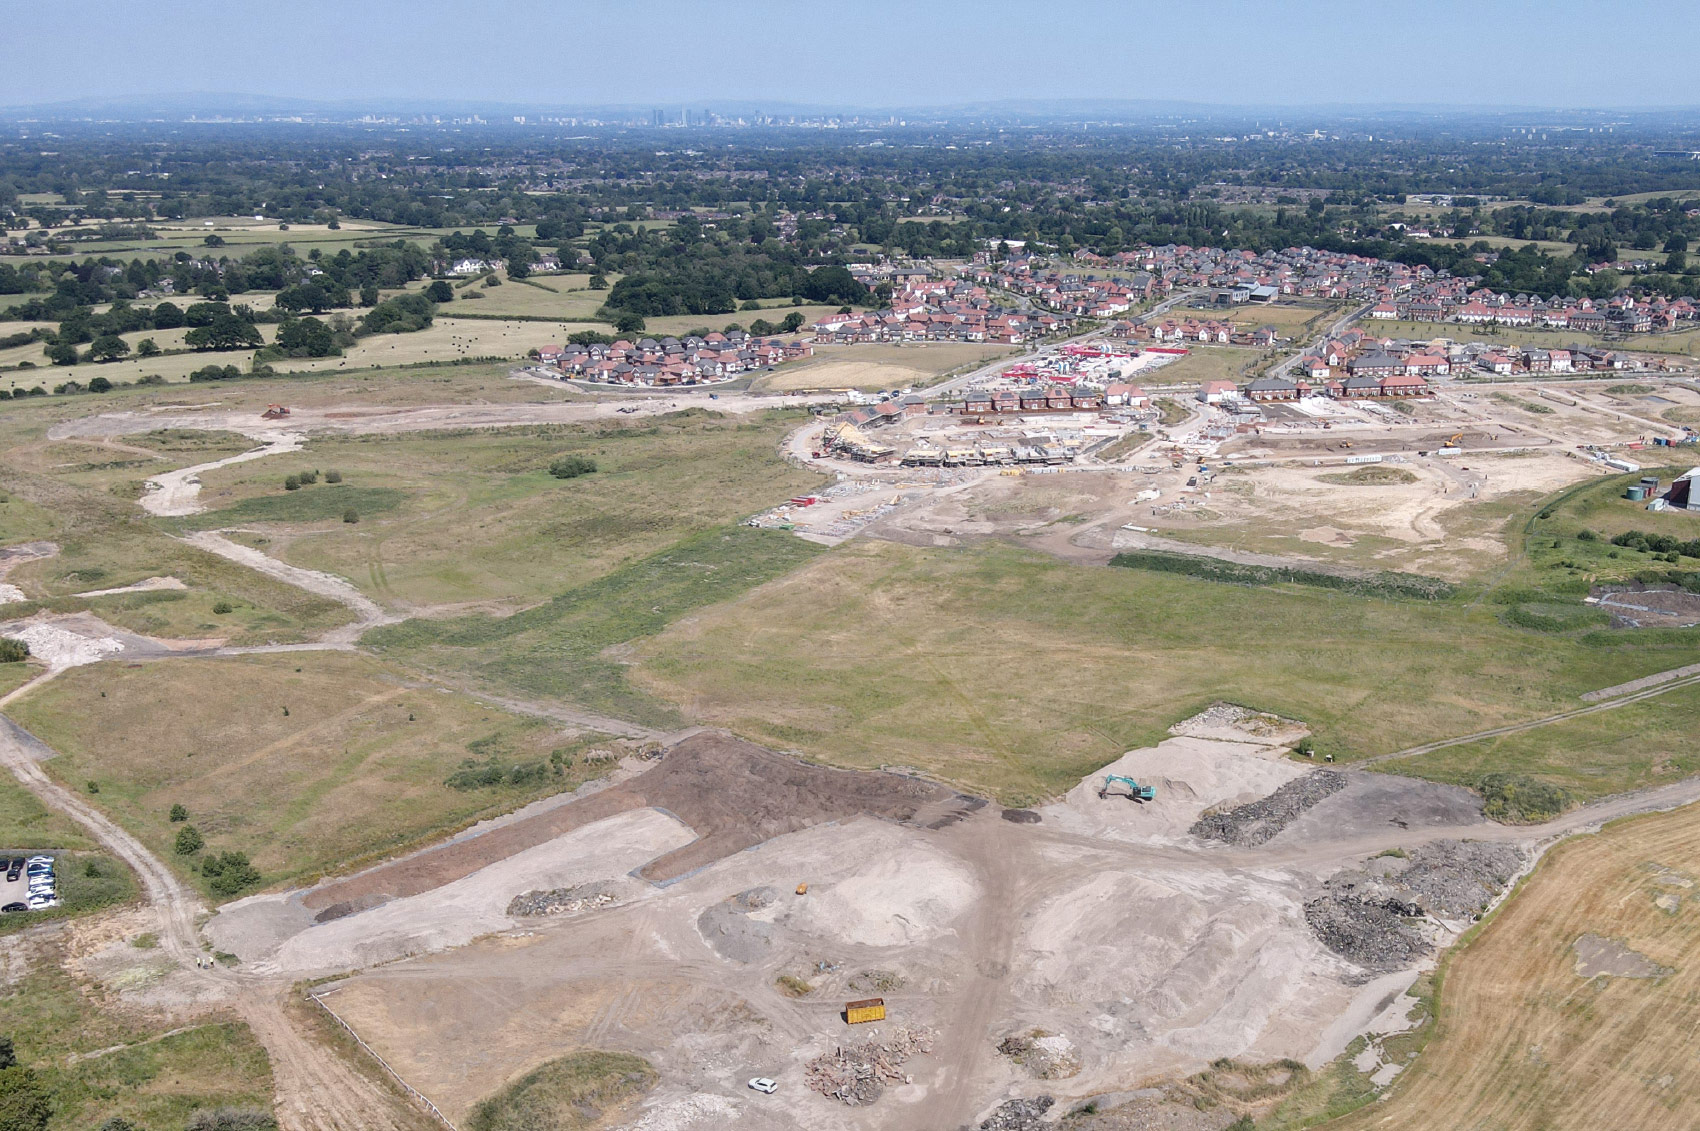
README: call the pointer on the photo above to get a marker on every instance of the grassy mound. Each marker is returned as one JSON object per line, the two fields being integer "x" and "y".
{"x": 1375, "y": 476}
{"x": 566, "y": 1094}
{"x": 1518, "y": 799}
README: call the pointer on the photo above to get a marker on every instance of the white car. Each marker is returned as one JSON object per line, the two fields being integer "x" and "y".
{"x": 763, "y": 1085}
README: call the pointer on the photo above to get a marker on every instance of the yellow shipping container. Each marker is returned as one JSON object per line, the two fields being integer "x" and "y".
{"x": 858, "y": 1012}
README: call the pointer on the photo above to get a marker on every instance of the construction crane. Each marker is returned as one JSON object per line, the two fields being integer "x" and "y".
{"x": 1136, "y": 791}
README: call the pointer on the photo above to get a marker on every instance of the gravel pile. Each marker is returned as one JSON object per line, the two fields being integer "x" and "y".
{"x": 1454, "y": 878}
{"x": 1379, "y": 917}
{"x": 728, "y": 928}
{"x": 1018, "y": 1115}
{"x": 857, "y": 1074}
{"x": 1253, "y": 824}
{"x": 562, "y": 901}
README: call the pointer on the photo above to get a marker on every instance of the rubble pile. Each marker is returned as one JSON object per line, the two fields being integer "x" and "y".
{"x": 1382, "y": 917}
{"x": 562, "y": 901}
{"x": 1018, "y": 1115}
{"x": 1048, "y": 1056}
{"x": 1253, "y": 824}
{"x": 857, "y": 1074}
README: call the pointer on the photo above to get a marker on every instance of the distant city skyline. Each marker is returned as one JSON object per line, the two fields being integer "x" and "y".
{"x": 673, "y": 54}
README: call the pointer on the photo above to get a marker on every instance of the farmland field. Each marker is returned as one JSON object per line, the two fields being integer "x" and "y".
{"x": 1531, "y": 1035}
{"x": 351, "y": 755}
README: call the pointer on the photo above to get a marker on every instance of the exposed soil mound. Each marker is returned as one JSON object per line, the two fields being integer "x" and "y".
{"x": 562, "y": 901}
{"x": 1018, "y": 1115}
{"x": 733, "y": 794}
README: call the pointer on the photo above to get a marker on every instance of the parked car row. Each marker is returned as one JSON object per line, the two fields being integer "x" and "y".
{"x": 43, "y": 890}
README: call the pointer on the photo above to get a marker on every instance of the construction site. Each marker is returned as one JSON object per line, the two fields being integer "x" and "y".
{"x": 727, "y": 912}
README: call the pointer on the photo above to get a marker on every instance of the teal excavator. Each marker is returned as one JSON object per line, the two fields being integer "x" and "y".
{"x": 1134, "y": 790}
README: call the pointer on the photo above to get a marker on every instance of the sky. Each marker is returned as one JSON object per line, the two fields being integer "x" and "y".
{"x": 1514, "y": 53}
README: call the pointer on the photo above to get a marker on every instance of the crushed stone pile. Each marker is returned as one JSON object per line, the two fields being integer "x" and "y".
{"x": 1253, "y": 824}
{"x": 857, "y": 1074}
{"x": 728, "y": 928}
{"x": 562, "y": 901}
{"x": 1018, "y": 1115}
{"x": 1381, "y": 916}
{"x": 1048, "y": 1056}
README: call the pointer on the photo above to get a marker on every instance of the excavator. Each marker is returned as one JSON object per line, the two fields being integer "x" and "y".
{"x": 1135, "y": 792}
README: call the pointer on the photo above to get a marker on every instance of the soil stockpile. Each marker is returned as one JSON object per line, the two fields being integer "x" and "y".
{"x": 1253, "y": 824}
{"x": 1018, "y": 1115}
{"x": 733, "y": 794}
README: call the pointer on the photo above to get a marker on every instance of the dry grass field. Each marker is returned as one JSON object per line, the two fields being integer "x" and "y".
{"x": 450, "y": 518}
{"x": 1532, "y": 1037}
{"x": 1011, "y": 672}
{"x": 349, "y": 755}
{"x": 1205, "y": 363}
{"x": 878, "y": 366}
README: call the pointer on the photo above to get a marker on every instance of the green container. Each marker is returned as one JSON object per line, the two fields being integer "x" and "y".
{"x": 1636, "y": 494}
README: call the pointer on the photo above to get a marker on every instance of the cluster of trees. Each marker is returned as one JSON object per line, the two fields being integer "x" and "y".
{"x": 228, "y": 873}
{"x": 1652, "y": 543}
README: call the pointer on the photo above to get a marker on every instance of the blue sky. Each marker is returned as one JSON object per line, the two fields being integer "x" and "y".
{"x": 1627, "y": 53}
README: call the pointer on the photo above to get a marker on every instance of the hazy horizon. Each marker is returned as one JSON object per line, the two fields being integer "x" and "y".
{"x": 1307, "y": 54}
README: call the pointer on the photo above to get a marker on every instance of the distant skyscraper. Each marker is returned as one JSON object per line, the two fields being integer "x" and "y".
{"x": 655, "y": 117}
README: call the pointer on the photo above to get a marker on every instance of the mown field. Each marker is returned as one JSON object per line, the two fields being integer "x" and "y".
{"x": 475, "y": 515}
{"x": 1204, "y": 363}
{"x": 1016, "y": 674}
{"x": 350, "y": 757}
{"x": 1526, "y": 1041}
{"x": 878, "y": 366}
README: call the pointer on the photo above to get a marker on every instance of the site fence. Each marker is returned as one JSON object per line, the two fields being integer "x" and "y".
{"x": 413, "y": 1093}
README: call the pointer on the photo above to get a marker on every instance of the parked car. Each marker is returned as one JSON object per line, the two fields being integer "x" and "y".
{"x": 15, "y": 869}
{"x": 764, "y": 1085}
{"x": 41, "y": 860}
{"x": 15, "y": 906}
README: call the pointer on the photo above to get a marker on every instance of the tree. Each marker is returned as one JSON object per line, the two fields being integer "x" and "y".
{"x": 167, "y": 316}
{"x": 179, "y": 814}
{"x": 108, "y": 347}
{"x": 599, "y": 282}
{"x": 292, "y": 483}
{"x": 571, "y": 467}
{"x": 627, "y": 323}
{"x": 226, "y": 331}
{"x": 189, "y": 841}
{"x": 147, "y": 347}
{"x": 791, "y": 322}
{"x": 306, "y": 337}
{"x": 213, "y": 240}
{"x": 440, "y": 291}
{"x": 100, "y": 385}
{"x": 369, "y": 295}
{"x": 351, "y": 515}
{"x": 62, "y": 353}
{"x": 24, "y": 1103}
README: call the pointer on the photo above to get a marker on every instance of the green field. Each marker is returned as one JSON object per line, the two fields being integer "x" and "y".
{"x": 575, "y": 647}
{"x": 132, "y": 1064}
{"x": 420, "y": 495}
{"x": 351, "y": 756}
{"x": 1016, "y": 674}
{"x": 1206, "y": 363}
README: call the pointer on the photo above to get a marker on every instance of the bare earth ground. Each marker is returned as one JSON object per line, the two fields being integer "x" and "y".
{"x": 1151, "y": 950}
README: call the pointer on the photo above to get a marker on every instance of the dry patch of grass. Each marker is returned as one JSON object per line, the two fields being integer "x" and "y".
{"x": 306, "y": 762}
{"x": 878, "y": 366}
{"x": 1527, "y": 1042}
{"x": 1016, "y": 674}
{"x": 571, "y": 1093}
{"x": 1374, "y": 476}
